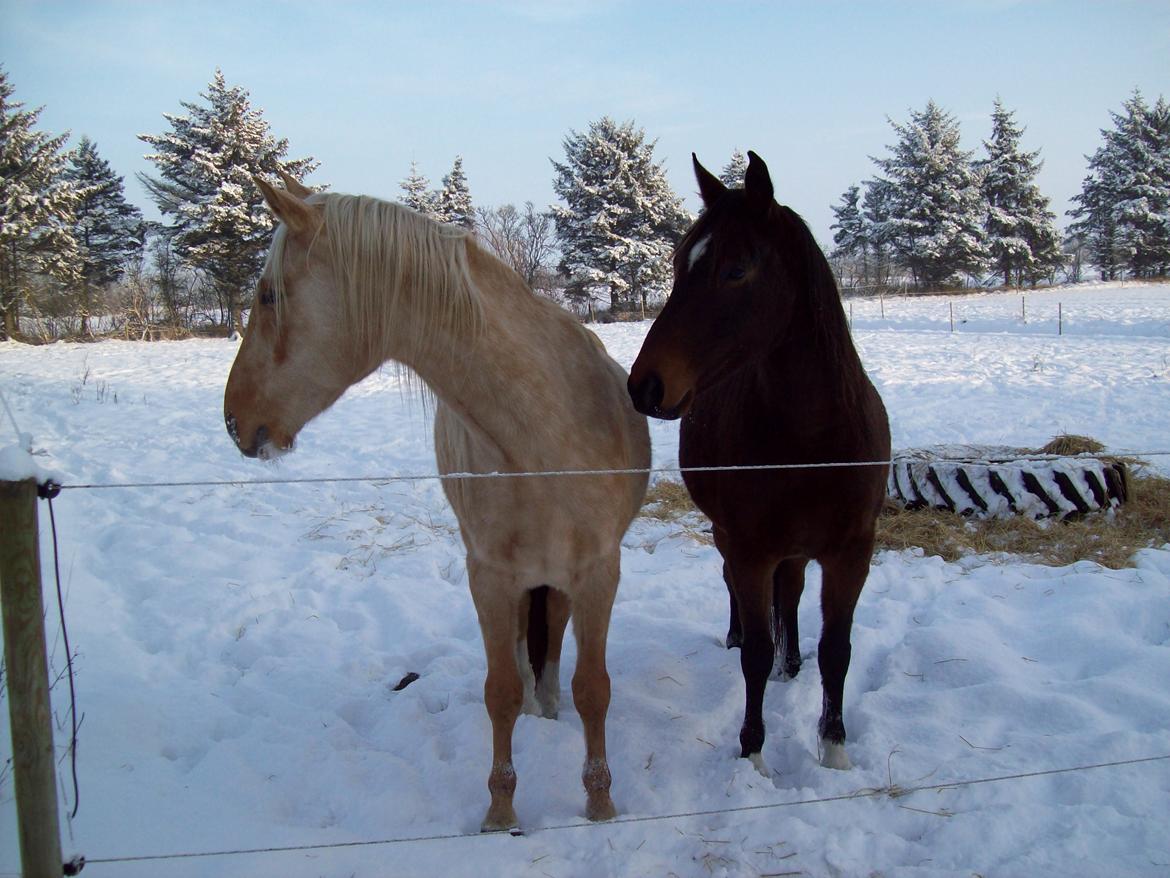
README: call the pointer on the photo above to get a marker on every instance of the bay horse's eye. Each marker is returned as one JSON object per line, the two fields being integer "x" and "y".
{"x": 735, "y": 272}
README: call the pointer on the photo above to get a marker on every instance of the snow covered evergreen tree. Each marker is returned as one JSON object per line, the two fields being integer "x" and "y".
{"x": 455, "y": 198}
{"x": 621, "y": 219}
{"x": 875, "y": 211}
{"x": 732, "y": 174}
{"x": 852, "y": 232}
{"x": 1123, "y": 211}
{"x": 936, "y": 209}
{"x": 1021, "y": 230}
{"x": 219, "y": 222}
{"x": 109, "y": 231}
{"x": 418, "y": 194}
{"x": 36, "y": 208}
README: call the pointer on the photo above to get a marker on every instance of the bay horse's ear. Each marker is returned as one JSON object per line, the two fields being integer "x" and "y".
{"x": 757, "y": 183}
{"x": 293, "y": 185}
{"x": 289, "y": 209}
{"x": 711, "y": 188}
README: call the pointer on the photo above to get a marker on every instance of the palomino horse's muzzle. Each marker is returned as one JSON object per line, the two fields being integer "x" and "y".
{"x": 259, "y": 439}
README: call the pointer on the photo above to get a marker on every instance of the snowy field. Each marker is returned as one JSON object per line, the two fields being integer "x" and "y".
{"x": 237, "y": 646}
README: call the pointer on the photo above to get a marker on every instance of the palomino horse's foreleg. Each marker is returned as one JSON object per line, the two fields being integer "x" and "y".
{"x": 844, "y": 576}
{"x": 497, "y": 603}
{"x": 525, "y": 644}
{"x": 594, "y": 593}
{"x": 548, "y": 687}
{"x": 787, "y": 587}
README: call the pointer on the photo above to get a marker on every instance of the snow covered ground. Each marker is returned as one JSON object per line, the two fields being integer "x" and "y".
{"x": 237, "y": 646}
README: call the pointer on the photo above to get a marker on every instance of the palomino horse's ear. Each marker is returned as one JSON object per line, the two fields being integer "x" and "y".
{"x": 757, "y": 182}
{"x": 711, "y": 188}
{"x": 293, "y": 185}
{"x": 289, "y": 209}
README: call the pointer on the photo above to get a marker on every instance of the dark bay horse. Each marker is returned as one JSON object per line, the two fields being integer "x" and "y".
{"x": 753, "y": 352}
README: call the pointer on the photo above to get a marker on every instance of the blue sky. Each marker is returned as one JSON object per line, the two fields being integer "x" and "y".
{"x": 366, "y": 87}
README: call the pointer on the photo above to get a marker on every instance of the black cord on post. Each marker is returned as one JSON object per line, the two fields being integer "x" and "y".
{"x": 47, "y": 492}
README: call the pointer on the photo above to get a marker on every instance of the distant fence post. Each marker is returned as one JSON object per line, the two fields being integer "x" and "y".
{"x": 1023, "y": 310}
{"x": 33, "y": 768}
{"x": 1059, "y": 318}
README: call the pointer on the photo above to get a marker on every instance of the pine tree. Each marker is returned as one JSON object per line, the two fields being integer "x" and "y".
{"x": 875, "y": 214}
{"x": 1141, "y": 189}
{"x": 732, "y": 174}
{"x": 109, "y": 231}
{"x": 1021, "y": 230}
{"x": 852, "y": 232}
{"x": 36, "y": 207}
{"x": 419, "y": 195}
{"x": 621, "y": 219}
{"x": 935, "y": 223}
{"x": 219, "y": 223}
{"x": 455, "y": 198}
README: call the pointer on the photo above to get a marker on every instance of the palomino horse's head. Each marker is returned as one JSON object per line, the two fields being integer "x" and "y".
{"x": 294, "y": 361}
{"x": 731, "y": 297}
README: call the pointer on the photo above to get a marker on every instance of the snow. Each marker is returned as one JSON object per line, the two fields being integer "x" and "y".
{"x": 238, "y": 646}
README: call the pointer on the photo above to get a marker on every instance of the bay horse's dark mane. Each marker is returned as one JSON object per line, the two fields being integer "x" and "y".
{"x": 824, "y": 298}
{"x": 810, "y": 276}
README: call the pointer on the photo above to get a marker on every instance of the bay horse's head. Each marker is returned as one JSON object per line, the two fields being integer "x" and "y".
{"x": 294, "y": 361}
{"x": 732, "y": 295}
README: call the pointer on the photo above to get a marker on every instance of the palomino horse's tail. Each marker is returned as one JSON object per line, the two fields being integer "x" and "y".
{"x": 538, "y": 630}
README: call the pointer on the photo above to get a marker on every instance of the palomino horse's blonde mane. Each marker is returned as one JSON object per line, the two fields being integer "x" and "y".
{"x": 393, "y": 268}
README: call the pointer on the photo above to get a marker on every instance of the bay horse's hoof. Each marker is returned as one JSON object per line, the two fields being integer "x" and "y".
{"x": 758, "y": 763}
{"x": 499, "y": 818}
{"x": 599, "y": 807}
{"x": 734, "y": 639}
{"x": 833, "y": 755}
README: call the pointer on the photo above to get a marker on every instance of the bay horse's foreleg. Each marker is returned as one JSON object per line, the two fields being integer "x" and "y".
{"x": 787, "y": 587}
{"x": 752, "y": 580}
{"x": 548, "y": 687}
{"x": 844, "y": 576}
{"x": 594, "y": 591}
{"x": 497, "y": 602}
{"x": 734, "y": 629}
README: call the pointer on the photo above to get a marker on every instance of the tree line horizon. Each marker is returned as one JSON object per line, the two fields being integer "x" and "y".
{"x": 77, "y": 259}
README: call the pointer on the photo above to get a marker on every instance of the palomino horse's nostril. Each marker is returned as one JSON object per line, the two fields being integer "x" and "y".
{"x": 647, "y": 394}
{"x": 232, "y": 427}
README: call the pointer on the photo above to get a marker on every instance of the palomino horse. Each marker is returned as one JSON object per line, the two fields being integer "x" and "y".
{"x": 352, "y": 282}
{"x": 753, "y": 352}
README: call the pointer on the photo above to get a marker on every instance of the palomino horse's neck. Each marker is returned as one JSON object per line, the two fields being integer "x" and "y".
{"x": 489, "y": 376}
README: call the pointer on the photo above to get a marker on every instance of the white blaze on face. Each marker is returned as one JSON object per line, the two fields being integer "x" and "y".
{"x": 697, "y": 252}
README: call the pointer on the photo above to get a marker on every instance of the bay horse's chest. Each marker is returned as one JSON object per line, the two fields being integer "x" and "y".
{"x": 795, "y": 510}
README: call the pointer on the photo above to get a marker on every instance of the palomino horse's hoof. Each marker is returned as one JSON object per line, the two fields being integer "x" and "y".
{"x": 499, "y": 819}
{"x": 599, "y": 807}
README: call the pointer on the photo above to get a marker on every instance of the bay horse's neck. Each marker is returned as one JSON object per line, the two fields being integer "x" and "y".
{"x": 814, "y": 350}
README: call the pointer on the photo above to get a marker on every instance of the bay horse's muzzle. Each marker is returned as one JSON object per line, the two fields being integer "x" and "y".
{"x": 646, "y": 394}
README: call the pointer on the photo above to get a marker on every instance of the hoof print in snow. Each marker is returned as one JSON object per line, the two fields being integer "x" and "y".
{"x": 1000, "y": 482}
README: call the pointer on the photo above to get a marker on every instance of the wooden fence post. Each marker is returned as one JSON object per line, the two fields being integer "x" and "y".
{"x": 33, "y": 769}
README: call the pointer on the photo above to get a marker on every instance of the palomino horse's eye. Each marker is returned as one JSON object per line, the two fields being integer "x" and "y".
{"x": 267, "y": 296}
